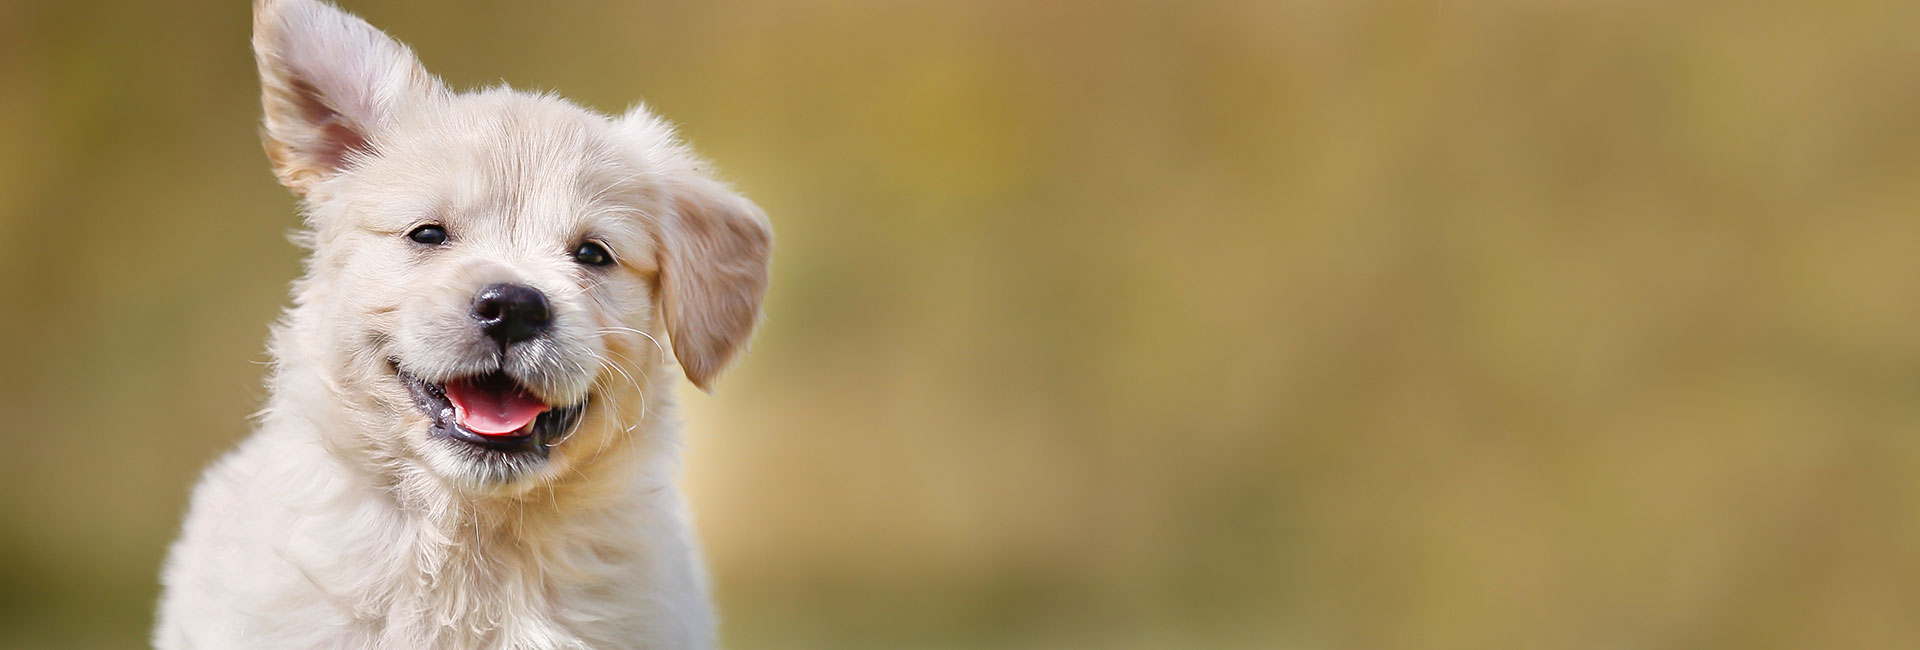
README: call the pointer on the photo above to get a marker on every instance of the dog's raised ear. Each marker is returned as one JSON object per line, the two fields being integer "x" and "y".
{"x": 714, "y": 251}
{"x": 328, "y": 81}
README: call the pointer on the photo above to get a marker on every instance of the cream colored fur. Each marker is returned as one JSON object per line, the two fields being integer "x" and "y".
{"x": 341, "y": 523}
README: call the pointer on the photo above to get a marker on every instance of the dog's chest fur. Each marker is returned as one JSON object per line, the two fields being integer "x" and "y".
{"x": 335, "y": 562}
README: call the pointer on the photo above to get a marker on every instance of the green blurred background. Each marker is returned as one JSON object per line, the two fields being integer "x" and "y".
{"x": 1106, "y": 324}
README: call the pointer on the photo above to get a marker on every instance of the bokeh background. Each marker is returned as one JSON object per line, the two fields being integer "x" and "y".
{"x": 1106, "y": 324}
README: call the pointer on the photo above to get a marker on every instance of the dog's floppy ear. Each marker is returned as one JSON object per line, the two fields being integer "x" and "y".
{"x": 713, "y": 273}
{"x": 328, "y": 81}
{"x": 714, "y": 251}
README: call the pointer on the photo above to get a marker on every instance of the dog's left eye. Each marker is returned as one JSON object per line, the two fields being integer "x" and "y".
{"x": 429, "y": 234}
{"x": 592, "y": 254}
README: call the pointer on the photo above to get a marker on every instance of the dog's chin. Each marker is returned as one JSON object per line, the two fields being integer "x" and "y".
{"x": 484, "y": 459}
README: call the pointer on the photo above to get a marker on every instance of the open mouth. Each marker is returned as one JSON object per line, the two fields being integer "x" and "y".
{"x": 492, "y": 412}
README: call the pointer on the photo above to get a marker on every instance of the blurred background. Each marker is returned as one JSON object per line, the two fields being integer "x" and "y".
{"x": 1105, "y": 324}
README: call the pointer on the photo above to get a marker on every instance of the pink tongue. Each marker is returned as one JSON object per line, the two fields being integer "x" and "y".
{"x": 493, "y": 408}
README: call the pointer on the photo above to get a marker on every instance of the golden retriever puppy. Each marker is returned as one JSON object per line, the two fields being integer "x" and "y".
{"x": 470, "y": 440}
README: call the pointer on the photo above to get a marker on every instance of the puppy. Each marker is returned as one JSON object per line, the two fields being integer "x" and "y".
{"x": 470, "y": 439}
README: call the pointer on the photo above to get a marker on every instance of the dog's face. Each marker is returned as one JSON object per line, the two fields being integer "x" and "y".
{"x": 493, "y": 273}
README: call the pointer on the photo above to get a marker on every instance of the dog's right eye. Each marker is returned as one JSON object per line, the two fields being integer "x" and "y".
{"x": 429, "y": 234}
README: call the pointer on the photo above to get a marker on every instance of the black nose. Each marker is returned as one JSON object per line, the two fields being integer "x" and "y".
{"x": 511, "y": 313}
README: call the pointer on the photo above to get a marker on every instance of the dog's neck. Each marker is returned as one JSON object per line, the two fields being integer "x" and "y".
{"x": 605, "y": 481}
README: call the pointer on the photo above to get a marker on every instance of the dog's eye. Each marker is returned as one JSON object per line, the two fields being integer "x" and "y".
{"x": 592, "y": 254}
{"x": 429, "y": 234}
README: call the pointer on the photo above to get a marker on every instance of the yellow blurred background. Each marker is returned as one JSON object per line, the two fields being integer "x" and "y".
{"x": 1106, "y": 324}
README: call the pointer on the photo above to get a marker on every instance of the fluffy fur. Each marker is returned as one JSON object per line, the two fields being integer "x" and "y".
{"x": 342, "y": 522}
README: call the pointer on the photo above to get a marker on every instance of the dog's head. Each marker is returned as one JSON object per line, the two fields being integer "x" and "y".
{"x": 492, "y": 272}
